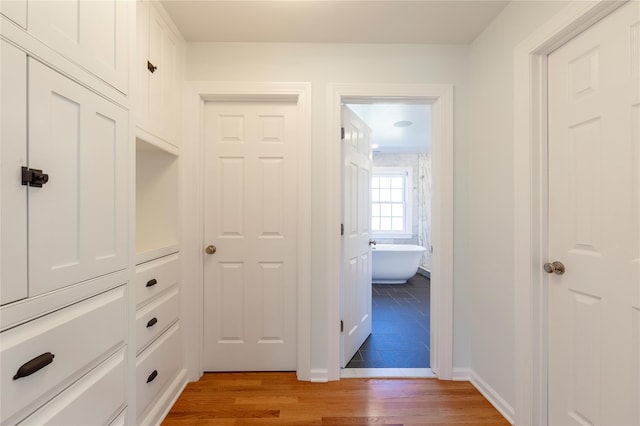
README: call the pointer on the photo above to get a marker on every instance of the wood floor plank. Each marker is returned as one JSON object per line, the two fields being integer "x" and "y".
{"x": 280, "y": 399}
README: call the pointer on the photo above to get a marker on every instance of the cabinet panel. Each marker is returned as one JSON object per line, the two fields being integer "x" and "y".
{"x": 78, "y": 220}
{"x": 77, "y": 336}
{"x": 156, "y": 366}
{"x": 16, "y": 10}
{"x": 93, "y": 34}
{"x": 13, "y": 152}
{"x": 93, "y": 400}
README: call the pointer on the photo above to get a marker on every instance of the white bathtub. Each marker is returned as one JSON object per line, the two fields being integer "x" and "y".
{"x": 395, "y": 263}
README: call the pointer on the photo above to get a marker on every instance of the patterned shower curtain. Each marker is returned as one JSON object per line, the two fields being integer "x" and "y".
{"x": 424, "y": 208}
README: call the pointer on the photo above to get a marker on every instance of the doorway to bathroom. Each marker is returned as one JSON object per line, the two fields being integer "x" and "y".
{"x": 386, "y": 199}
{"x": 440, "y": 98}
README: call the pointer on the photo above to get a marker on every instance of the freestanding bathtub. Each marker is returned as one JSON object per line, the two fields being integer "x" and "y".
{"x": 395, "y": 263}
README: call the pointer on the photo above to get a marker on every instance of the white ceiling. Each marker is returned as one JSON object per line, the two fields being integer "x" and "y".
{"x": 397, "y": 140}
{"x": 333, "y": 21}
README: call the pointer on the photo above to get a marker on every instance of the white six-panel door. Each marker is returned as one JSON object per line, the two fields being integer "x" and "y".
{"x": 594, "y": 187}
{"x": 356, "y": 216}
{"x": 251, "y": 219}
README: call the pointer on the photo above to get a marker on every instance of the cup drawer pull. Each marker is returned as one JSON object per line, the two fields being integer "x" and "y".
{"x": 153, "y": 321}
{"x": 152, "y": 376}
{"x": 34, "y": 365}
{"x": 152, "y": 282}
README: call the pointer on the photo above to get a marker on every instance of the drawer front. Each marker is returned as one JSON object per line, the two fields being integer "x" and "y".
{"x": 92, "y": 400}
{"x": 156, "y": 317}
{"x": 78, "y": 337}
{"x": 156, "y": 366}
{"x": 152, "y": 278}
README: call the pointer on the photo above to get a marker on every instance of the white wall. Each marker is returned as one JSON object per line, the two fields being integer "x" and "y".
{"x": 491, "y": 192}
{"x": 321, "y": 64}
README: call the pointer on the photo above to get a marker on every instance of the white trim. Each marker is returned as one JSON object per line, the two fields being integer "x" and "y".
{"x": 530, "y": 208}
{"x": 193, "y": 222}
{"x": 493, "y": 397}
{"x": 461, "y": 374}
{"x": 440, "y": 96}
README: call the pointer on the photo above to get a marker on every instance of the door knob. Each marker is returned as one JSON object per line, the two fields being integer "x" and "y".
{"x": 372, "y": 242}
{"x": 210, "y": 249}
{"x": 554, "y": 268}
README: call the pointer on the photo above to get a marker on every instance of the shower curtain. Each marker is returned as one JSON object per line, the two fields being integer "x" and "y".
{"x": 424, "y": 208}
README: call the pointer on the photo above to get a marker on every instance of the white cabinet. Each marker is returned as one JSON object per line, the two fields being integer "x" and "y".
{"x": 157, "y": 67}
{"x": 72, "y": 226}
{"x": 64, "y": 215}
{"x": 94, "y": 34}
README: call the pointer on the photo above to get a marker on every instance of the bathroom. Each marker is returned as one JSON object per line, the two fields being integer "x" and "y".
{"x": 401, "y": 229}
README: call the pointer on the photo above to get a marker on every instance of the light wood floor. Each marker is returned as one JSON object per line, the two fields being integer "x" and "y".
{"x": 280, "y": 399}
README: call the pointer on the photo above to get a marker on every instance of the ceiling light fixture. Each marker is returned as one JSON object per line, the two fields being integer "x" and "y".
{"x": 403, "y": 123}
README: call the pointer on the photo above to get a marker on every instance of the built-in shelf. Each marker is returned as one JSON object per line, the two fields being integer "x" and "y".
{"x": 157, "y": 204}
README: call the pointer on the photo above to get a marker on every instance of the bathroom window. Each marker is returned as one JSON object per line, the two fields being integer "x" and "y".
{"x": 391, "y": 202}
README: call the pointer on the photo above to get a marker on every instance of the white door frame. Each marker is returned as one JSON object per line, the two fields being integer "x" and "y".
{"x": 440, "y": 96}
{"x": 530, "y": 208}
{"x": 192, "y": 214}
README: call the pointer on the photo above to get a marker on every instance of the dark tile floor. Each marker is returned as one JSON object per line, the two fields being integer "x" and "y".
{"x": 400, "y": 327}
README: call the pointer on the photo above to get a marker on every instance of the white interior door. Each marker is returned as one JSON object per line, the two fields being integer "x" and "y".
{"x": 251, "y": 218}
{"x": 356, "y": 218}
{"x": 594, "y": 185}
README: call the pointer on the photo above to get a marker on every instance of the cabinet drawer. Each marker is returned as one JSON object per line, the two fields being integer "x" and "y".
{"x": 152, "y": 278}
{"x": 92, "y": 400}
{"x": 78, "y": 336}
{"x": 156, "y": 366}
{"x": 156, "y": 317}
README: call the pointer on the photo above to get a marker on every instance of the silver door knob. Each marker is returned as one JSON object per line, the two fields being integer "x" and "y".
{"x": 554, "y": 268}
{"x": 372, "y": 242}
{"x": 210, "y": 249}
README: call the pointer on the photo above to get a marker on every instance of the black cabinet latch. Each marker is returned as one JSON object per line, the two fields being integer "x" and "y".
{"x": 151, "y": 67}
{"x": 34, "y": 177}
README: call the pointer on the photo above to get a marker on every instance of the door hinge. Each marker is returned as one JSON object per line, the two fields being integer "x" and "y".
{"x": 342, "y": 133}
{"x": 342, "y": 229}
{"x": 341, "y": 326}
{"x": 34, "y": 177}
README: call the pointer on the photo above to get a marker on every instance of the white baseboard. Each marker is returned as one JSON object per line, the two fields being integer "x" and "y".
{"x": 461, "y": 374}
{"x": 319, "y": 375}
{"x": 493, "y": 397}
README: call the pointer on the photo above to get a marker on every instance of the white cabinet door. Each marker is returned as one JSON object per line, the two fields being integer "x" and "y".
{"x": 15, "y": 10}
{"x": 157, "y": 62}
{"x": 94, "y": 34}
{"x": 13, "y": 155}
{"x": 78, "y": 220}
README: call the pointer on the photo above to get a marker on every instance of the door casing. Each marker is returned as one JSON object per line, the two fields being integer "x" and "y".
{"x": 440, "y": 96}
{"x": 530, "y": 201}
